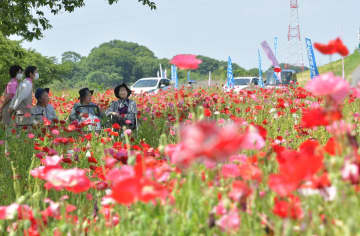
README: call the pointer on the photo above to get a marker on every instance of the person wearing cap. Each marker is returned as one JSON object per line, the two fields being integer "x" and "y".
{"x": 15, "y": 76}
{"x": 123, "y": 111}
{"x": 21, "y": 104}
{"x": 85, "y": 107}
{"x": 43, "y": 108}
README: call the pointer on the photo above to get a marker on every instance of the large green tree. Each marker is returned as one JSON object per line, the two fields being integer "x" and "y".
{"x": 12, "y": 53}
{"x": 109, "y": 64}
{"x": 27, "y": 18}
{"x": 70, "y": 57}
{"x": 116, "y": 60}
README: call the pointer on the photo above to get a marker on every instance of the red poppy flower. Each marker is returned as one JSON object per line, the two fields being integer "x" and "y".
{"x": 207, "y": 112}
{"x": 319, "y": 117}
{"x": 116, "y": 126}
{"x": 332, "y": 147}
{"x": 67, "y": 160}
{"x": 325, "y": 49}
{"x": 334, "y": 46}
{"x": 277, "y": 69}
{"x": 290, "y": 208}
{"x": 135, "y": 189}
{"x": 240, "y": 190}
{"x": 46, "y": 121}
{"x": 294, "y": 167}
{"x": 92, "y": 160}
{"x": 85, "y": 115}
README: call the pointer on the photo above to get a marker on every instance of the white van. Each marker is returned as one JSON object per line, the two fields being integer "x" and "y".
{"x": 241, "y": 83}
{"x": 149, "y": 85}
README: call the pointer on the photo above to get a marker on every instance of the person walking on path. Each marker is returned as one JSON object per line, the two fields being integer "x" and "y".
{"x": 21, "y": 104}
{"x": 16, "y": 74}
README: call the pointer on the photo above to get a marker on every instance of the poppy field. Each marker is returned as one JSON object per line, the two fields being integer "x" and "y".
{"x": 281, "y": 161}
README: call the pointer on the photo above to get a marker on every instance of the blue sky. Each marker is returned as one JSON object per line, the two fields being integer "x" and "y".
{"x": 213, "y": 28}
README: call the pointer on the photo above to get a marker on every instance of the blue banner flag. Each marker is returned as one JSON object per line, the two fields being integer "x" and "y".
{"x": 261, "y": 82}
{"x": 172, "y": 74}
{"x": 275, "y": 53}
{"x": 230, "y": 76}
{"x": 311, "y": 56}
{"x": 174, "y": 77}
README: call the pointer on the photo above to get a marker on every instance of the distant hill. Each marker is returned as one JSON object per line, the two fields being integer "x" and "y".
{"x": 118, "y": 60}
{"x": 351, "y": 63}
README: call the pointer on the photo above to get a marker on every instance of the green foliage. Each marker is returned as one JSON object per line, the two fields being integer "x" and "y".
{"x": 117, "y": 61}
{"x": 103, "y": 78}
{"x": 209, "y": 64}
{"x": 108, "y": 65}
{"x": 112, "y": 60}
{"x": 26, "y": 18}
{"x": 70, "y": 57}
{"x": 351, "y": 63}
{"x": 12, "y": 53}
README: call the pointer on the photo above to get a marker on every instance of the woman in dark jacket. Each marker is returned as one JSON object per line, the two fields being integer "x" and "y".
{"x": 123, "y": 111}
{"x": 86, "y": 111}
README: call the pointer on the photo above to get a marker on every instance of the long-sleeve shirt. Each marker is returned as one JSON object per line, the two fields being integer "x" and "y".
{"x": 12, "y": 87}
{"x": 10, "y": 92}
{"x": 22, "y": 102}
{"x": 117, "y": 107}
{"x": 38, "y": 112}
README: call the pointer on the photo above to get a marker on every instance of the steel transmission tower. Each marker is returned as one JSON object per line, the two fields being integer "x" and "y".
{"x": 295, "y": 52}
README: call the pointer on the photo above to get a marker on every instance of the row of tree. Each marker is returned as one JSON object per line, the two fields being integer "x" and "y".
{"x": 117, "y": 60}
{"x": 105, "y": 66}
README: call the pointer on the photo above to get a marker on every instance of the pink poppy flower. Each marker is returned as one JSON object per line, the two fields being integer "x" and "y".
{"x": 229, "y": 222}
{"x": 55, "y": 132}
{"x": 127, "y": 132}
{"x": 230, "y": 171}
{"x": 9, "y": 212}
{"x": 329, "y": 85}
{"x": 73, "y": 180}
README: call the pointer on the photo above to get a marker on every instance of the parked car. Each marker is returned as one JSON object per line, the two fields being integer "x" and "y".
{"x": 242, "y": 83}
{"x": 288, "y": 77}
{"x": 150, "y": 85}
